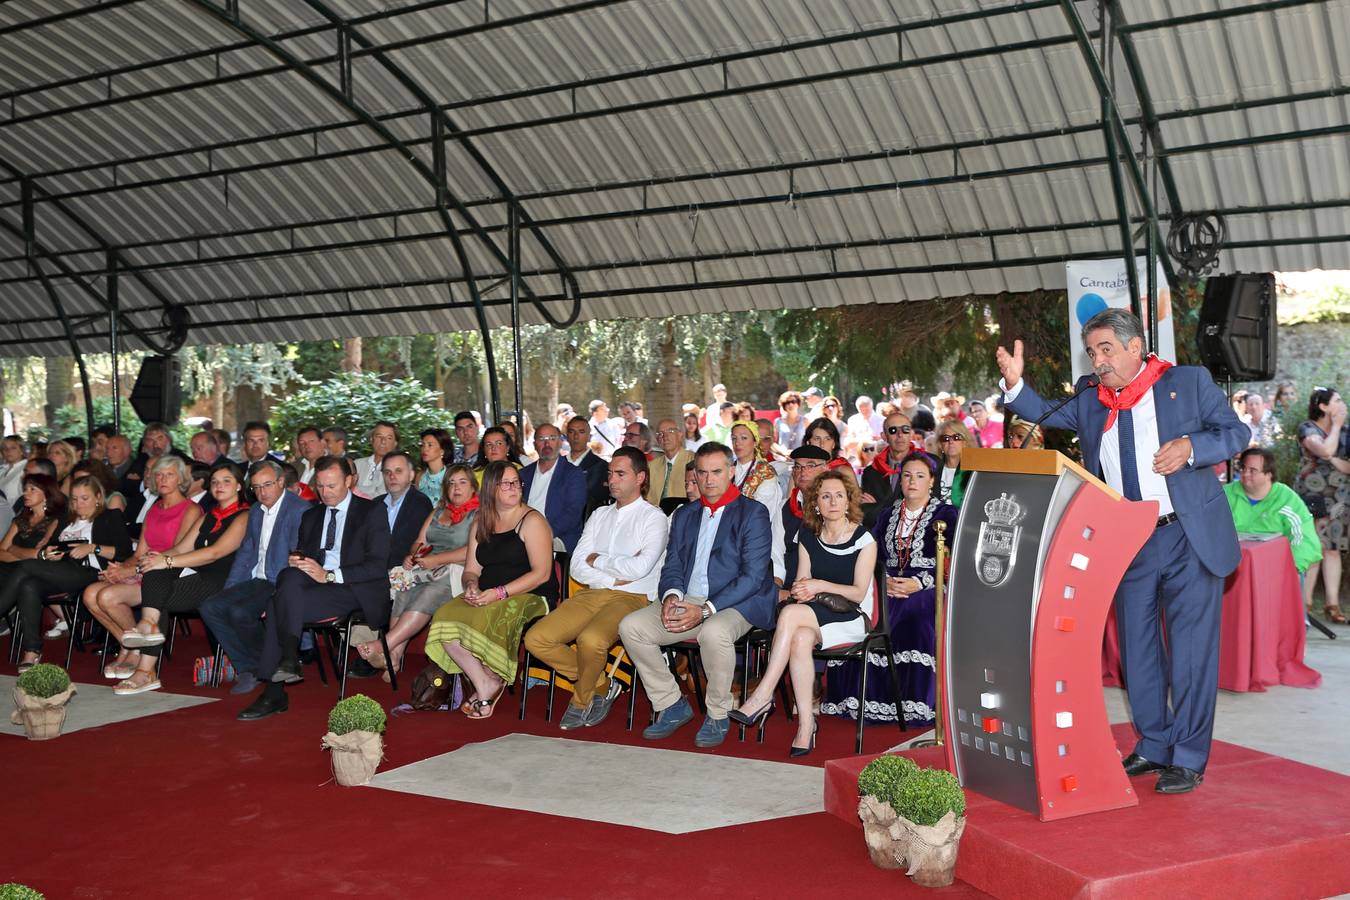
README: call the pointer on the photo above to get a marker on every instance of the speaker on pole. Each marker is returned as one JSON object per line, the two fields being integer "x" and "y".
{"x": 1237, "y": 332}
{"x": 157, "y": 396}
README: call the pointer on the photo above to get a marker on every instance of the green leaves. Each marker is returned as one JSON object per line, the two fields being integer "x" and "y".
{"x": 356, "y": 713}
{"x": 355, "y": 401}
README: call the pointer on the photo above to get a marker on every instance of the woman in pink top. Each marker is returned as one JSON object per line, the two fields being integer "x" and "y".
{"x": 170, "y": 517}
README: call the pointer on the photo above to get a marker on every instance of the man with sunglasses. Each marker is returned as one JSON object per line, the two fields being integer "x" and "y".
{"x": 881, "y": 479}
{"x": 234, "y": 615}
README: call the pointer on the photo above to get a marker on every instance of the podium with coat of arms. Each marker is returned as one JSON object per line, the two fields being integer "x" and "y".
{"x": 1040, "y": 547}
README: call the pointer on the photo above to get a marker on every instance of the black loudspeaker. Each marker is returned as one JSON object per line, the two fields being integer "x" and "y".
{"x": 157, "y": 395}
{"x": 1237, "y": 331}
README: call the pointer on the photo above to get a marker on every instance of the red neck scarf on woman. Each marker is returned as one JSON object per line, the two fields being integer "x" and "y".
{"x": 732, "y": 493}
{"x": 1133, "y": 392}
{"x": 457, "y": 513}
{"x": 837, "y": 462}
{"x": 220, "y": 515}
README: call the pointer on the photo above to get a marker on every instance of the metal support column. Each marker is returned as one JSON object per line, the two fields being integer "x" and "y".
{"x": 1113, "y": 150}
{"x": 112, "y": 344}
{"x": 74, "y": 345}
{"x": 513, "y": 250}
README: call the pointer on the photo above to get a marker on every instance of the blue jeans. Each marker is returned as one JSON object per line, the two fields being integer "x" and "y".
{"x": 235, "y": 618}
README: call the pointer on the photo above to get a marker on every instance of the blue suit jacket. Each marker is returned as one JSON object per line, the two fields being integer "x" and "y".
{"x": 565, "y": 504}
{"x": 740, "y": 573}
{"x": 285, "y": 535}
{"x": 1188, "y": 403}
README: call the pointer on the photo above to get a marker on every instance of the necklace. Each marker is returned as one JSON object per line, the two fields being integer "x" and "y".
{"x": 909, "y": 532}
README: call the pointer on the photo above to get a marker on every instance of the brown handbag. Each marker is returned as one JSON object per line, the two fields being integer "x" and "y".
{"x": 431, "y": 688}
{"x": 835, "y": 603}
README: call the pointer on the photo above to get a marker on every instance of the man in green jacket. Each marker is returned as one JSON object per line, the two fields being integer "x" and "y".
{"x": 1261, "y": 505}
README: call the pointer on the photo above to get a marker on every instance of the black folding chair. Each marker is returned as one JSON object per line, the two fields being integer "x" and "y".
{"x": 337, "y": 634}
{"x": 878, "y": 636}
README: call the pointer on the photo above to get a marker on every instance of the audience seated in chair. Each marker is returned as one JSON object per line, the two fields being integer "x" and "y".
{"x": 715, "y": 585}
{"x": 182, "y": 577}
{"x": 234, "y": 615}
{"x": 340, "y": 566}
{"x": 510, "y": 558}
{"x": 579, "y": 454}
{"x": 668, "y": 465}
{"x": 618, "y": 560}
{"x": 836, "y": 554}
{"x": 555, "y": 487}
{"x": 1261, "y": 505}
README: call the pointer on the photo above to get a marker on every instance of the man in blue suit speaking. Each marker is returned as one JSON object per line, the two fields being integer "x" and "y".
{"x": 1153, "y": 431}
{"x": 716, "y": 583}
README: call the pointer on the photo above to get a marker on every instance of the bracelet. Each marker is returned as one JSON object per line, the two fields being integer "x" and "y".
{"x": 168, "y": 562}
{"x": 501, "y": 592}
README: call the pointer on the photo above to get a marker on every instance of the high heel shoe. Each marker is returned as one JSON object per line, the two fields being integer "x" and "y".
{"x": 741, "y": 718}
{"x": 796, "y": 751}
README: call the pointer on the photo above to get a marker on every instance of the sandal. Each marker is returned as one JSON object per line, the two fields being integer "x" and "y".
{"x": 477, "y": 707}
{"x": 131, "y": 686}
{"x": 1332, "y": 613}
{"x": 384, "y": 676}
{"x": 134, "y": 639}
{"x": 25, "y": 666}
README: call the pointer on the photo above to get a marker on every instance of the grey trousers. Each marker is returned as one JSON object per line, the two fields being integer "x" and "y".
{"x": 643, "y": 636}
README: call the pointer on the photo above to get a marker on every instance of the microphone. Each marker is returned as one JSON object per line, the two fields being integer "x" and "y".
{"x": 1092, "y": 381}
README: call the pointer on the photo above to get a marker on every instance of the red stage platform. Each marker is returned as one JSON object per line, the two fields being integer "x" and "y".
{"x": 1260, "y": 826}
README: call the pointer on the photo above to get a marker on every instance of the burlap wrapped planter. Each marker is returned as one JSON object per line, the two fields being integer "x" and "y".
{"x": 41, "y": 717}
{"x": 355, "y": 756}
{"x": 926, "y": 852}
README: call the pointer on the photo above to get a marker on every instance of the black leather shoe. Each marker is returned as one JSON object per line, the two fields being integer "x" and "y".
{"x": 263, "y": 707}
{"x": 1136, "y": 765}
{"x": 1179, "y": 780}
{"x": 361, "y": 669}
{"x": 307, "y": 657}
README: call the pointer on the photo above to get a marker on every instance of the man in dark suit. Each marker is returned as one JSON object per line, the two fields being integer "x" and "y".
{"x": 881, "y": 479}
{"x": 235, "y": 614}
{"x": 407, "y": 509}
{"x": 156, "y": 442}
{"x": 595, "y": 468}
{"x": 555, "y": 487}
{"x": 717, "y": 582}
{"x": 1154, "y": 431}
{"x": 339, "y": 566}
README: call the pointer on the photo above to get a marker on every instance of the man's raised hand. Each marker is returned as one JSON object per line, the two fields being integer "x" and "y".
{"x": 1010, "y": 364}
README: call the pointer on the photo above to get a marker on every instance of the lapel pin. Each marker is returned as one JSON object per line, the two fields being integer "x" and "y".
{"x": 1174, "y": 395}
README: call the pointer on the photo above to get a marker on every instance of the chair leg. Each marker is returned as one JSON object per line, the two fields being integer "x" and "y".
{"x": 74, "y": 632}
{"x": 761, "y": 660}
{"x": 524, "y": 693}
{"x": 168, "y": 639}
{"x": 895, "y": 683}
{"x": 340, "y": 665}
{"x": 745, "y": 687}
{"x": 862, "y": 699}
{"x": 632, "y": 699}
{"x": 218, "y": 665}
{"x": 552, "y": 689}
{"x": 384, "y": 645}
{"x": 318, "y": 657}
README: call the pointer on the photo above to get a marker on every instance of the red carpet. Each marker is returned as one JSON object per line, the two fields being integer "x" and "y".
{"x": 1259, "y": 826}
{"x": 195, "y": 804}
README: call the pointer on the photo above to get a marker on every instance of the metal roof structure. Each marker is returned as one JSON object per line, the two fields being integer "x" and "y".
{"x": 299, "y": 169}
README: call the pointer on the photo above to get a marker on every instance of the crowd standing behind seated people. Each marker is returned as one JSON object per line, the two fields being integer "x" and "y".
{"x": 685, "y": 528}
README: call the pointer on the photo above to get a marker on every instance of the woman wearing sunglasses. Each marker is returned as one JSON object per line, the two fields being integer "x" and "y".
{"x": 952, "y": 438}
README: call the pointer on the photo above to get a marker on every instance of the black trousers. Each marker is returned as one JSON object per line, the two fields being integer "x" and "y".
{"x": 299, "y": 599}
{"x": 171, "y": 592}
{"x": 29, "y": 582}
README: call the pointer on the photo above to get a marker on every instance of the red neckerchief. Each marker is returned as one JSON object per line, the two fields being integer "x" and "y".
{"x": 1133, "y": 392}
{"x": 457, "y": 513}
{"x": 307, "y": 493}
{"x": 732, "y": 493}
{"x": 836, "y": 463}
{"x": 882, "y": 466}
{"x": 650, "y": 456}
{"x": 220, "y": 515}
{"x": 795, "y": 503}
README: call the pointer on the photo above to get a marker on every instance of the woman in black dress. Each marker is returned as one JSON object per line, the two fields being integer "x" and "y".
{"x": 836, "y": 555}
{"x": 43, "y": 507}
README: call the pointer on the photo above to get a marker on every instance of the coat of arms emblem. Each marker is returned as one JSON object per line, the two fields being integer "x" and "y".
{"x": 996, "y": 553}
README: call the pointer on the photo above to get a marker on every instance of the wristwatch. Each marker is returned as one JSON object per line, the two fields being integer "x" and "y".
{"x": 329, "y": 577}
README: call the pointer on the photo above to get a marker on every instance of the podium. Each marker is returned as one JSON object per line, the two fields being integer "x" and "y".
{"x": 1040, "y": 547}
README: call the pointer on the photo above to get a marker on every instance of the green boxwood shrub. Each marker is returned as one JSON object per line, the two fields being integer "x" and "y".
{"x": 44, "y": 680}
{"x": 15, "y": 891}
{"x": 927, "y": 795}
{"x": 882, "y": 776}
{"x": 356, "y": 713}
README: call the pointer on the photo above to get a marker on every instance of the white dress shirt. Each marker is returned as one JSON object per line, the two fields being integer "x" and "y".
{"x": 269, "y": 524}
{"x": 539, "y": 483}
{"x": 11, "y": 480}
{"x": 769, "y": 493}
{"x": 631, "y": 543}
{"x": 332, "y": 560}
{"x": 369, "y": 477}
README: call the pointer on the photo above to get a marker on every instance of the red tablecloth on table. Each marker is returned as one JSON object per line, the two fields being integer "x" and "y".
{"x": 1262, "y": 635}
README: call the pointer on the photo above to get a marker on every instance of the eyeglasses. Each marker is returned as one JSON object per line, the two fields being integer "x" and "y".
{"x": 829, "y": 406}
{"x": 807, "y": 467}
{"x": 670, "y": 431}
{"x": 791, "y": 403}
{"x": 509, "y": 485}
{"x": 1251, "y": 470}
{"x": 950, "y": 439}
{"x": 547, "y": 438}
{"x": 264, "y": 485}
{"x": 900, "y": 429}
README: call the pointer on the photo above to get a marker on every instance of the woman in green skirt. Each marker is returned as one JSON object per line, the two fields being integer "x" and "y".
{"x": 510, "y": 559}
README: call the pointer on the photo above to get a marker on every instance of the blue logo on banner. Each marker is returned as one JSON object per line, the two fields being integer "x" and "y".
{"x": 1088, "y": 306}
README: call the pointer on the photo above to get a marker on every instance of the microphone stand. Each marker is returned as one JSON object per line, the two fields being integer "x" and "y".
{"x": 1092, "y": 381}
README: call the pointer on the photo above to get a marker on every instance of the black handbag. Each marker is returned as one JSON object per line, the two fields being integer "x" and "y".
{"x": 1317, "y": 505}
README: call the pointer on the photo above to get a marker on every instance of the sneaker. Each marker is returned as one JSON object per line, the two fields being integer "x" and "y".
{"x": 60, "y": 628}
{"x": 600, "y": 706}
{"x": 669, "y": 720}
{"x": 575, "y": 716}
{"x": 712, "y": 733}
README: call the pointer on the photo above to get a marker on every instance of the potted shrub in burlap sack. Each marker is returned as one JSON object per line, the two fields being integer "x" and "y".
{"x": 355, "y": 739}
{"x": 16, "y": 891}
{"x": 912, "y": 818}
{"x": 40, "y": 698}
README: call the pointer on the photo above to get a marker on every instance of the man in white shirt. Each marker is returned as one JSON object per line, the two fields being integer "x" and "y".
{"x": 369, "y": 477}
{"x": 11, "y": 469}
{"x": 865, "y": 424}
{"x": 234, "y": 615}
{"x": 618, "y": 559}
{"x": 605, "y": 431}
{"x": 309, "y": 444}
